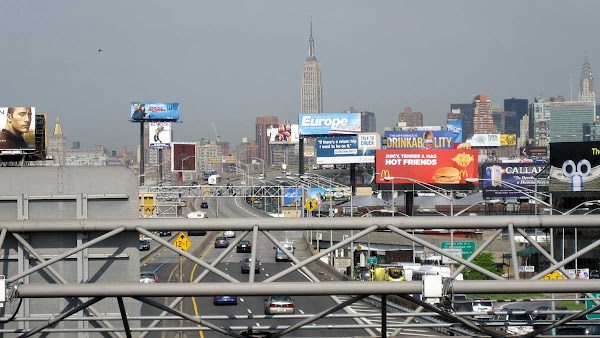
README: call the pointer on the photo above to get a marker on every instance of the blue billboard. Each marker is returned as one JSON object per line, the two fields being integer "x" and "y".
{"x": 290, "y": 195}
{"x": 329, "y": 124}
{"x": 512, "y": 179}
{"x": 419, "y": 139}
{"x": 154, "y": 111}
{"x": 455, "y": 126}
{"x": 343, "y": 149}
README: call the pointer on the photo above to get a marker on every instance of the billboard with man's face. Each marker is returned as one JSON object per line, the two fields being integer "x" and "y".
{"x": 575, "y": 166}
{"x": 17, "y": 125}
{"x": 183, "y": 157}
{"x": 159, "y": 134}
{"x": 154, "y": 111}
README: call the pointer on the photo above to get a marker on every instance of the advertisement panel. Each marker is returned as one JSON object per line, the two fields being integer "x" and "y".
{"x": 485, "y": 140}
{"x": 455, "y": 126}
{"x": 17, "y": 125}
{"x": 444, "y": 166}
{"x": 329, "y": 124}
{"x": 342, "y": 149}
{"x": 419, "y": 139}
{"x": 159, "y": 135}
{"x": 156, "y": 111}
{"x": 422, "y": 128}
{"x": 183, "y": 157}
{"x": 575, "y": 166}
{"x": 283, "y": 134}
{"x": 521, "y": 174}
{"x": 369, "y": 141}
{"x": 291, "y": 195}
{"x": 508, "y": 139}
{"x": 535, "y": 152}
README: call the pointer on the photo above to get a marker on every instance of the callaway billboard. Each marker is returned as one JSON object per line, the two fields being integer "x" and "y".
{"x": 419, "y": 139}
{"x": 283, "y": 134}
{"x": 575, "y": 166}
{"x": 504, "y": 177}
{"x": 343, "y": 149}
{"x": 18, "y": 128}
{"x": 445, "y": 166}
{"x": 329, "y": 124}
{"x": 154, "y": 111}
{"x": 159, "y": 134}
{"x": 183, "y": 156}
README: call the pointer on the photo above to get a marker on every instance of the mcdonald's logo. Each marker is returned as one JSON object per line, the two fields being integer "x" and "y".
{"x": 384, "y": 174}
{"x": 464, "y": 173}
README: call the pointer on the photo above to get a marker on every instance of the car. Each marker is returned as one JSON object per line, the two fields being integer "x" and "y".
{"x": 261, "y": 176}
{"x": 229, "y": 234}
{"x": 245, "y": 267}
{"x": 524, "y": 326}
{"x": 197, "y": 214}
{"x": 546, "y": 316}
{"x": 572, "y": 331}
{"x": 203, "y": 205}
{"x": 221, "y": 242}
{"x": 594, "y": 274}
{"x": 462, "y": 304}
{"x": 244, "y": 246}
{"x": 484, "y": 306}
{"x": 221, "y": 300}
{"x": 275, "y": 305}
{"x": 148, "y": 277}
{"x": 144, "y": 245}
{"x": 164, "y": 233}
{"x": 280, "y": 255}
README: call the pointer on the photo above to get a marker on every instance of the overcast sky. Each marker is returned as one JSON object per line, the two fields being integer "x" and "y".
{"x": 228, "y": 62}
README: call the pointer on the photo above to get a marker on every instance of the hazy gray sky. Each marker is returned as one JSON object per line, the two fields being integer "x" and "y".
{"x": 230, "y": 61}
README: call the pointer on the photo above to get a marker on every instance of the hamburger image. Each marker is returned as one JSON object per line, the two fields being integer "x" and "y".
{"x": 447, "y": 175}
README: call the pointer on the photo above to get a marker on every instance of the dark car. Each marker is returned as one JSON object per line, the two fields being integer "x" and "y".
{"x": 221, "y": 242}
{"x": 164, "y": 233}
{"x": 462, "y": 304}
{"x": 246, "y": 265}
{"x": 244, "y": 246}
{"x": 572, "y": 331}
{"x": 144, "y": 245}
{"x": 594, "y": 274}
{"x": 204, "y": 205}
{"x": 220, "y": 300}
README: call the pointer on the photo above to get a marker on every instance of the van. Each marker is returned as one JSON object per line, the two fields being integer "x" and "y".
{"x": 197, "y": 214}
{"x": 280, "y": 255}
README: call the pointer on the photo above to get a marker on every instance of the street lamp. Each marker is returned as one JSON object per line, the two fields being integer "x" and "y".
{"x": 393, "y": 193}
{"x": 263, "y": 164}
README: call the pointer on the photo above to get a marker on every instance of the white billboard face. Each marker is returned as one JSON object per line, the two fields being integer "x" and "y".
{"x": 17, "y": 125}
{"x": 159, "y": 135}
{"x": 283, "y": 134}
{"x": 423, "y": 128}
{"x": 485, "y": 140}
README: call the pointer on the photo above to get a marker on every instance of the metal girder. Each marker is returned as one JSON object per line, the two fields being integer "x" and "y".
{"x": 170, "y": 193}
{"x": 568, "y": 259}
{"x": 513, "y": 250}
{"x": 124, "y": 317}
{"x": 252, "y": 270}
{"x": 562, "y": 321}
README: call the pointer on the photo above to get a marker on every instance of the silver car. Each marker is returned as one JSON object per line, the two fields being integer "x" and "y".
{"x": 148, "y": 277}
{"x": 275, "y": 305}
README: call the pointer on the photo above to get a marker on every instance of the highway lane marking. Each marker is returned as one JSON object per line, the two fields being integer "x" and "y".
{"x": 266, "y": 274}
{"x": 236, "y": 203}
{"x": 191, "y": 280}
{"x": 241, "y": 299}
{"x": 250, "y": 312}
{"x": 257, "y": 324}
{"x": 302, "y": 312}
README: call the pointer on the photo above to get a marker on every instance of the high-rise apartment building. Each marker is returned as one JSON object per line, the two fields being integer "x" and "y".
{"x": 262, "y": 140}
{"x": 483, "y": 122}
{"x": 412, "y": 118}
{"x": 586, "y": 83}
{"x": 311, "y": 91}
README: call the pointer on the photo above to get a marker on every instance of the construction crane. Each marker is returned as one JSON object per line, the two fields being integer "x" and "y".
{"x": 216, "y": 133}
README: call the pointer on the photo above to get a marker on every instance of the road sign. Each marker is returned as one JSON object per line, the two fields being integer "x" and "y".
{"x": 553, "y": 275}
{"x": 252, "y": 199}
{"x": 371, "y": 260}
{"x": 359, "y": 248}
{"x": 458, "y": 252}
{"x": 182, "y": 242}
{"x": 467, "y": 247}
{"x": 310, "y": 205}
{"x": 229, "y": 159}
{"x": 215, "y": 160}
{"x": 590, "y": 304}
{"x": 344, "y": 237}
{"x": 320, "y": 236}
{"x": 526, "y": 268}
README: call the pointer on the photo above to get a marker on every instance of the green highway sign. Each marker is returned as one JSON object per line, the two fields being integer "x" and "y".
{"x": 590, "y": 304}
{"x": 467, "y": 247}
{"x": 371, "y": 260}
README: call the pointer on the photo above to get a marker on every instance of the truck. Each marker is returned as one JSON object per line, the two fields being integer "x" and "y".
{"x": 208, "y": 173}
{"x": 214, "y": 179}
{"x": 387, "y": 273}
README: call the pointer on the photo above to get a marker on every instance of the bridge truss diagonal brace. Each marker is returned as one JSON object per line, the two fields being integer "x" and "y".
{"x": 124, "y": 317}
{"x": 477, "y": 252}
{"x": 252, "y": 270}
{"x": 226, "y": 331}
{"x": 562, "y": 321}
{"x": 198, "y": 279}
{"x": 567, "y": 260}
{"x": 187, "y": 255}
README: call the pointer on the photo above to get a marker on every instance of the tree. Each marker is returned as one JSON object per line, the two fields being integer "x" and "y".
{"x": 486, "y": 261}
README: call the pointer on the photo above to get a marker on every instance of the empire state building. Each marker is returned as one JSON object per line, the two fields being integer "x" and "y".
{"x": 311, "y": 92}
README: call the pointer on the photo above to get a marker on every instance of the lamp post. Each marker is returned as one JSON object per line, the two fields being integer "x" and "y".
{"x": 393, "y": 193}
{"x": 263, "y": 164}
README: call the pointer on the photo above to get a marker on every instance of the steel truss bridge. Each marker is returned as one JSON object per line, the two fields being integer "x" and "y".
{"x": 87, "y": 294}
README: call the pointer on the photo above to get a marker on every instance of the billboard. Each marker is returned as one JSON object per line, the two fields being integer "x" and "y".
{"x": 419, "y": 139}
{"x": 444, "y": 166}
{"x": 183, "y": 156}
{"x": 17, "y": 125}
{"x": 369, "y": 141}
{"x": 159, "y": 135}
{"x": 329, "y": 124}
{"x": 575, "y": 166}
{"x": 154, "y": 111}
{"x": 508, "y": 139}
{"x": 422, "y": 128}
{"x": 521, "y": 174}
{"x": 535, "y": 152}
{"x": 342, "y": 149}
{"x": 283, "y": 134}
{"x": 291, "y": 195}
{"x": 485, "y": 140}
{"x": 455, "y": 126}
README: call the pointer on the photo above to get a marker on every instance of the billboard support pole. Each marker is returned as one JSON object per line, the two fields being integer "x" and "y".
{"x": 160, "y": 159}
{"x": 301, "y": 156}
{"x": 353, "y": 177}
{"x": 141, "y": 153}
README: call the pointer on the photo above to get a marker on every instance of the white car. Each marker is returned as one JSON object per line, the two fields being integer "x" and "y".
{"x": 197, "y": 214}
{"x": 229, "y": 234}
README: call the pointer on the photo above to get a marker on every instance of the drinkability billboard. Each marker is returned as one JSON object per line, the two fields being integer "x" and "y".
{"x": 342, "y": 149}
{"x": 504, "y": 176}
{"x": 329, "y": 124}
{"x": 183, "y": 157}
{"x": 419, "y": 139}
{"x": 17, "y": 125}
{"x": 575, "y": 166}
{"x": 283, "y": 134}
{"x": 455, "y": 126}
{"x": 156, "y": 111}
{"x": 443, "y": 166}
{"x": 159, "y": 135}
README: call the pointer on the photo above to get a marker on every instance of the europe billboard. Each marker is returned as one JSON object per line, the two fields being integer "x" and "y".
{"x": 443, "y": 166}
{"x": 18, "y": 128}
{"x": 183, "y": 157}
{"x": 455, "y": 126}
{"x": 342, "y": 149}
{"x": 155, "y": 111}
{"x": 511, "y": 179}
{"x": 419, "y": 139}
{"x": 575, "y": 166}
{"x": 159, "y": 134}
{"x": 329, "y": 124}
{"x": 283, "y": 134}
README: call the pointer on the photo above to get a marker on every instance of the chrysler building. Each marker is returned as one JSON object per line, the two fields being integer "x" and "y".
{"x": 586, "y": 84}
{"x": 311, "y": 92}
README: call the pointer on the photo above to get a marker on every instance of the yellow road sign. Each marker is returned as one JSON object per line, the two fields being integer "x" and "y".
{"x": 553, "y": 275}
{"x": 230, "y": 159}
{"x": 252, "y": 199}
{"x": 215, "y": 160}
{"x": 182, "y": 242}
{"x": 310, "y": 205}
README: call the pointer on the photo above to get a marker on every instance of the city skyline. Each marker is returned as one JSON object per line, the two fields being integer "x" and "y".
{"x": 399, "y": 56}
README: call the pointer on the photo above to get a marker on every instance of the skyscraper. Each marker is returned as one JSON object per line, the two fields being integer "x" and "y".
{"x": 57, "y": 144}
{"x": 483, "y": 122}
{"x": 412, "y": 118}
{"x": 464, "y": 112}
{"x": 586, "y": 83}
{"x": 311, "y": 92}
{"x": 262, "y": 141}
